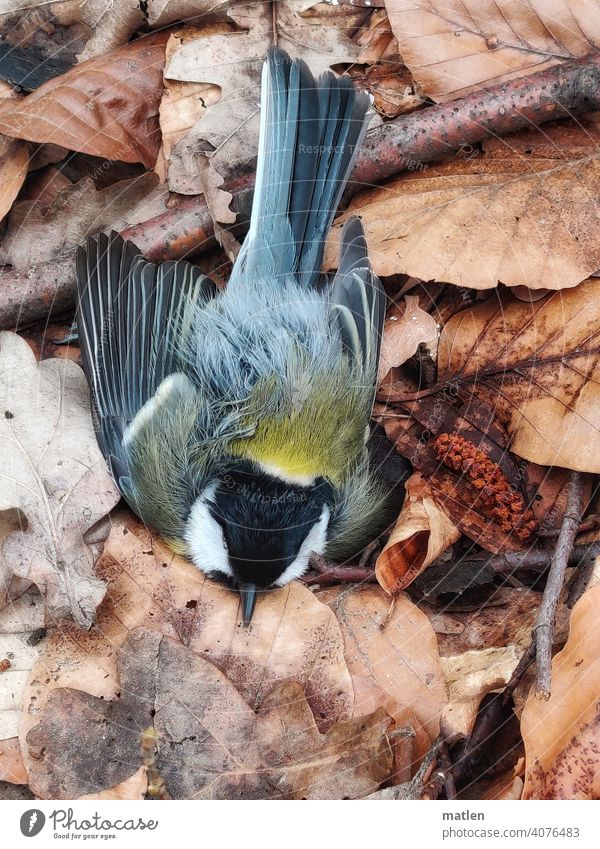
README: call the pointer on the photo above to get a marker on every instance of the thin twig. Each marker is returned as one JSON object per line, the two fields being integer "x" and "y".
{"x": 544, "y": 628}
{"x": 328, "y": 573}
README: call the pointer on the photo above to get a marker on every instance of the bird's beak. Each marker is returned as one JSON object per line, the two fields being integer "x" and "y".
{"x": 248, "y": 596}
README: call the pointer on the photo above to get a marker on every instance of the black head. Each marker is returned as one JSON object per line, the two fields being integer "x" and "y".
{"x": 251, "y": 529}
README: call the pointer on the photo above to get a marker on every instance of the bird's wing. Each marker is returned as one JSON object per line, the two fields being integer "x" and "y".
{"x": 358, "y": 300}
{"x": 132, "y": 316}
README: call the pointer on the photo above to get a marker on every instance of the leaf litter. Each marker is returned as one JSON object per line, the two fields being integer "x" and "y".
{"x": 487, "y": 389}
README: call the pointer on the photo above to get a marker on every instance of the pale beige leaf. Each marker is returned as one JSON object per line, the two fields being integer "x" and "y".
{"x": 422, "y": 532}
{"x": 536, "y": 364}
{"x": 19, "y": 620}
{"x": 37, "y": 234}
{"x": 184, "y": 103}
{"x": 469, "y": 677}
{"x": 456, "y": 46}
{"x": 562, "y": 735}
{"x": 406, "y": 327}
{"x": 512, "y": 215}
{"x": 228, "y": 131}
{"x": 55, "y": 475}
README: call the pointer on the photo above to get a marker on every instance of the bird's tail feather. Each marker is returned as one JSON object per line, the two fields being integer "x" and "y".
{"x": 310, "y": 133}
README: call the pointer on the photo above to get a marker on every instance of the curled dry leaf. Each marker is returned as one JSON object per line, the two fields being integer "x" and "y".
{"x": 106, "y": 106}
{"x": 406, "y": 327}
{"x": 537, "y": 365}
{"x": 211, "y": 743}
{"x": 538, "y": 214}
{"x": 422, "y": 532}
{"x": 37, "y": 234}
{"x": 562, "y": 735}
{"x": 453, "y": 48}
{"x": 55, "y": 477}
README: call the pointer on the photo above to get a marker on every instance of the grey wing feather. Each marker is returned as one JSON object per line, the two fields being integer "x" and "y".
{"x": 130, "y": 315}
{"x": 358, "y": 300}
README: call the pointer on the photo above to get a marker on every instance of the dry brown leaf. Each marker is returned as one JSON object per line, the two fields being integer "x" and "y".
{"x": 228, "y": 131}
{"x": 106, "y": 106}
{"x": 55, "y": 477}
{"x": 14, "y": 161}
{"x": 162, "y": 12}
{"x": 293, "y": 636}
{"x": 454, "y": 47}
{"x": 20, "y": 620}
{"x": 134, "y": 787}
{"x": 396, "y": 668}
{"x": 184, "y": 103}
{"x": 406, "y": 327}
{"x": 37, "y": 234}
{"x": 12, "y": 768}
{"x": 422, "y": 532}
{"x": 505, "y": 216}
{"x": 562, "y": 735}
{"x": 469, "y": 677}
{"x": 102, "y": 25}
{"x": 211, "y": 743}
{"x": 537, "y": 365}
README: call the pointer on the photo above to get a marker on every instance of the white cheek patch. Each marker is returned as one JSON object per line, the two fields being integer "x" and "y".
{"x": 204, "y": 537}
{"x": 315, "y": 541}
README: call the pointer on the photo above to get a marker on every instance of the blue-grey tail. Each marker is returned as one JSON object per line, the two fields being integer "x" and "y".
{"x": 310, "y": 134}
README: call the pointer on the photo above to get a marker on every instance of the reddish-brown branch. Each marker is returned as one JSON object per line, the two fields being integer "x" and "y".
{"x": 328, "y": 573}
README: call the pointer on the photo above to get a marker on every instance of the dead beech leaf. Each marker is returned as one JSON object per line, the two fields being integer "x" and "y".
{"x": 19, "y": 620}
{"x": 37, "y": 234}
{"x": 211, "y": 743}
{"x": 562, "y": 735}
{"x": 107, "y": 106}
{"x": 406, "y": 327}
{"x": 11, "y": 762}
{"x": 396, "y": 668}
{"x": 14, "y": 160}
{"x": 538, "y": 213}
{"x": 293, "y": 635}
{"x": 453, "y": 48}
{"x": 228, "y": 132}
{"x": 537, "y": 364}
{"x": 55, "y": 476}
{"x": 422, "y": 532}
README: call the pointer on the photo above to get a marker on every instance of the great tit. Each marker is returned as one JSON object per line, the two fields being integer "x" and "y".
{"x": 235, "y": 422}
